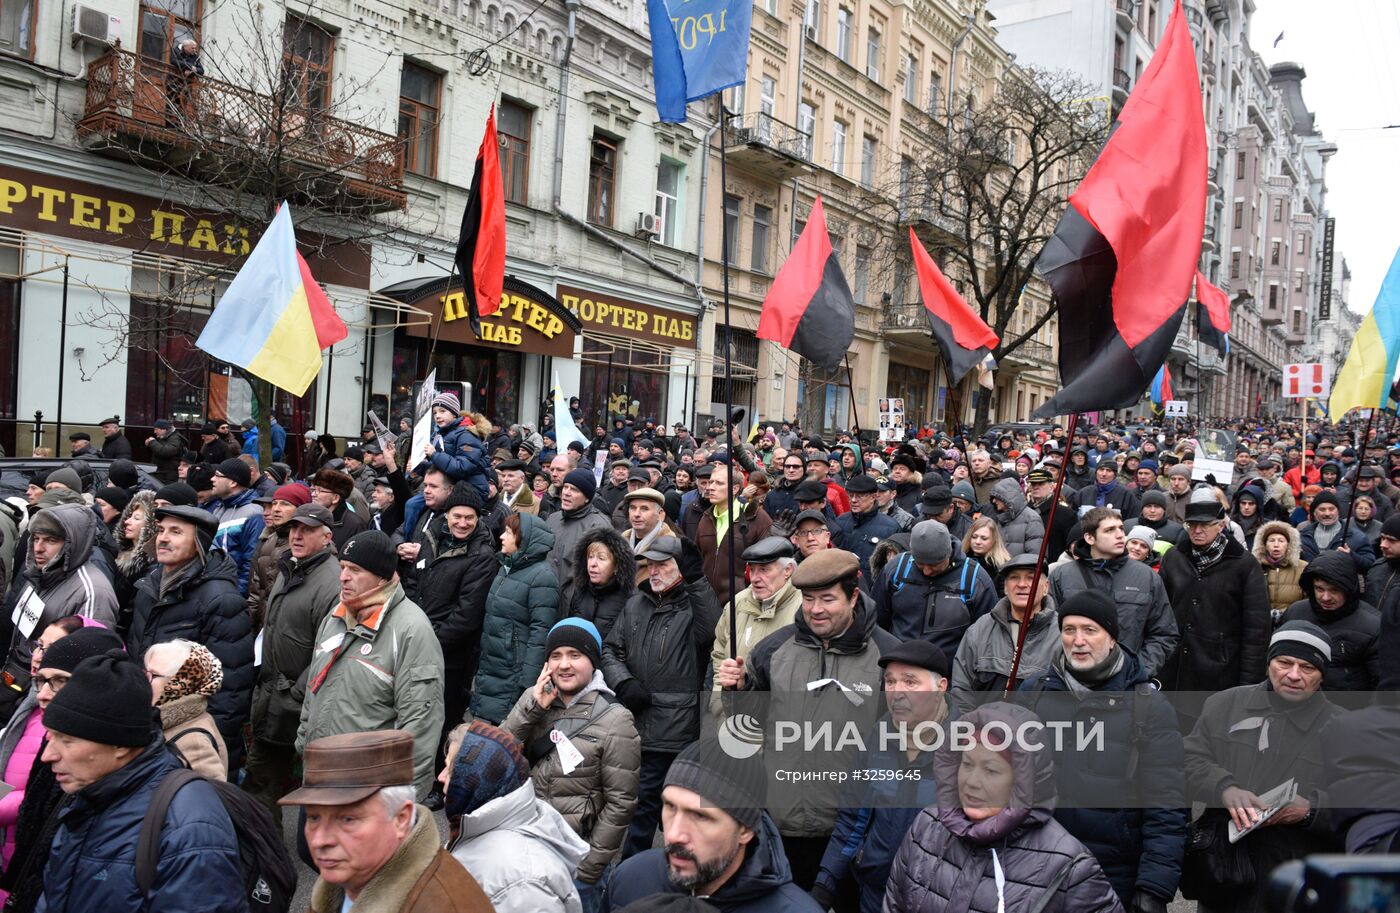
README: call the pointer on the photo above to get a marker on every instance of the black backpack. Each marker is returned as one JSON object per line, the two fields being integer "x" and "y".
{"x": 268, "y": 877}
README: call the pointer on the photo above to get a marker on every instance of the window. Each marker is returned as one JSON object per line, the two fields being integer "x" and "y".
{"x": 668, "y": 191}
{"x": 307, "y": 52}
{"x": 807, "y": 125}
{"x": 844, "y": 19}
{"x": 1273, "y": 295}
{"x": 768, "y": 96}
{"x": 731, "y": 229}
{"x": 164, "y": 24}
{"x": 17, "y": 21}
{"x": 743, "y": 355}
{"x": 867, "y": 161}
{"x": 762, "y": 221}
{"x": 935, "y": 93}
{"x": 1239, "y": 214}
{"x": 1234, "y": 264}
{"x": 812, "y": 18}
{"x": 872, "y": 53}
{"x": 911, "y": 78}
{"x": 1278, "y": 210}
{"x": 420, "y": 91}
{"x": 1275, "y": 247}
{"x": 1239, "y": 166}
{"x": 602, "y": 177}
{"x": 838, "y": 147}
{"x": 513, "y": 130}
{"x": 906, "y": 178}
{"x": 1301, "y": 247}
{"x": 736, "y": 100}
{"x": 1298, "y": 281}
{"x": 861, "y": 291}
{"x": 9, "y": 323}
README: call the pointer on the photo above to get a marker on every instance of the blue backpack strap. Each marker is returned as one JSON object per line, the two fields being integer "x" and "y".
{"x": 964, "y": 591}
{"x": 901, "y": 573}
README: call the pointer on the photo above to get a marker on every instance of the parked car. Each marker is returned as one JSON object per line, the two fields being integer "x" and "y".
{"x": 15, "y": 473}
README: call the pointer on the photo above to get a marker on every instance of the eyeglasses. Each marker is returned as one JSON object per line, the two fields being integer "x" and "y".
{"x": 811, "y": 533}
{"x": 54, "y": 683}
{"x": 793, "y": 466}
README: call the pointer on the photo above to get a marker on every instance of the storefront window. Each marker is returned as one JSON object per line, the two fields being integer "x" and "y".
{"x": 9, "y": 330}
{"x": 743, "y": 360}
{"x": 912, "y": 384}
{"x": 621, "y": 379}
{"x": 494, "y": 375}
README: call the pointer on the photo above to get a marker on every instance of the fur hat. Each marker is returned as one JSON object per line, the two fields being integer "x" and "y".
{"x": 333, "y": 480}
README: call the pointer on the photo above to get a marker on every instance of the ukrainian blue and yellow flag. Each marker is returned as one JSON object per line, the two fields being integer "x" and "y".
{"x": 1365, "y": 379}
{"x": 274, "y": 320}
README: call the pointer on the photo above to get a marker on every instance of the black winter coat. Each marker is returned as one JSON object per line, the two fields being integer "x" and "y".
{"x": 451, "y": 588}
{"x": 860, "y": 534}
{"x": 207, "y": 609}
{"x": 1355, "y": 629}
{"x": 662, "y": 642}
{"x": 940, "y": 610}
{"x": 603, "y": 604}
{"x": 166, "y": 453}
{"x": 1140, "y": 837}
{"x": 1223, "y": 618}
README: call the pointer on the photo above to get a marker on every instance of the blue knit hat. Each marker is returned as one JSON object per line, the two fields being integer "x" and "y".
{"x": 489, "y": 765}
{"x": 579, "y": 633}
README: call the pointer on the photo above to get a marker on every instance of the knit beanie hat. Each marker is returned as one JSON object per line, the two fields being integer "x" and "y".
{"x": 236, "y": 470}
{"x": 489, "y": 764}
{"x": 463, "y": 494}
{"x": 200, "y": 673}
{"x": 583, "y": 480}
{"x": 1324, "y": 497}
{"x": 1301, "y": 640}
{"x": 108, "y": 701}
{"x": 116, "y": 498}
{"x": 448, "y": 400}
{"x": 580, "y": 634}
{"x": 67, "y": 652}
{"x": 1391, "y": 527}
{"x": 177, "y": 493}
{"x": 1157, "y": 498}
{"x": 1093, "y": 605}
{"x": 1144, "y": 534}
{"x": 295, "y": 493}
{"x": 200, "y": 477}
{"x": 734, "y": 785}
{"x": 66, "y": 477}
{"x": 930, "y": 542}
{"x": 122, "y": 473}
{"x": 373, "y": 551}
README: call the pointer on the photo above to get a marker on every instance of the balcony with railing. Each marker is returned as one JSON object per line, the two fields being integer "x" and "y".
{"x": 761, "y": 142}
{"x": 1122, "y": 85}
{"x": 1031, "y": 354}
{"x": 1127, "y": 14}
{"x": 907, "y": 320}
{"x": 219, "y": 133}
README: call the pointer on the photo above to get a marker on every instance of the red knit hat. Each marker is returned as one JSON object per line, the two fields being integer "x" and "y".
{"x": 295, "y": 493}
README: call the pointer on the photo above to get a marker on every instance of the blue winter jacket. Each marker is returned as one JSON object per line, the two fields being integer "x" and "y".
{"x": 240, "y": 528}
{"x": 860, "y": 534}
{"x": 462, "y": 455}
{"x": 92, "y": 865}
{"x": 1140, "y": 839}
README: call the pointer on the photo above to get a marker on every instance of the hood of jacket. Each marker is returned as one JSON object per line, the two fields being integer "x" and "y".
{"x": 525, "y": 814}
{"x": 217, "y": 566}
{"x": 1338, "y": 569}
{"x": 1033, "y": 787}
{"x": 536, "y": 541}
{"x": 1009, "y": 492}
{"x": 860, "y": 462}
{"x": 763, "y": 872}
{"x": 477, "y": 424}
{"x": 624, "y": 562}
{"x": 855, "y": 637}
{"x": 1288, "y": 531}
{"x": 79, "y": 525}
{"x": 1044, "y": 616}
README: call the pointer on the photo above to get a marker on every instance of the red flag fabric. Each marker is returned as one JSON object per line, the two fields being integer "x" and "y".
{"x": 1122, "y": 259}
{"x": 330, "y": 329}
{"x": 809, "y": 308}
{"x": 1216, "y": 302}
{"x": 962, "y": 335}
{"x": 481, "y": 247}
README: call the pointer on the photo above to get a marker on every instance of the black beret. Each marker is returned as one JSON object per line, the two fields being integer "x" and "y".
{"x": 861, "y": 485}
{"x": 809, "y": 490}
{"x": 515, "y": 465}
{"x": 921, "y": 653}
{"x": 768, "y": 550}
{"x": 201, "y": 518}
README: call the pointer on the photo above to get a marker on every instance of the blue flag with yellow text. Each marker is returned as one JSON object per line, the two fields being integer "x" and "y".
{"x": 698, "y": 47}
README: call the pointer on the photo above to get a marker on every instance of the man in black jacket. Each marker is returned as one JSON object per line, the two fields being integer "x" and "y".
{"x": 114, "y": 445}
{"x": 1125, "y": 800}
{"x": 1106, "y": 491}
{"x": 455, "y": 568}
{"x": 167, "y": 446}
{"x": 655, "y": 660}
{"x": 1040, "y": 494}
{"x": 1334, "y": 604}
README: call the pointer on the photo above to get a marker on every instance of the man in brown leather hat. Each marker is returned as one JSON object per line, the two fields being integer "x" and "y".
{"x": 372, "y": 844}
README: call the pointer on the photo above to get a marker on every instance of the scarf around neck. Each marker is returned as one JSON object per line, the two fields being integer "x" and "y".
{"x": 1206, "y": 558}
{"x": 1082, "y": 681}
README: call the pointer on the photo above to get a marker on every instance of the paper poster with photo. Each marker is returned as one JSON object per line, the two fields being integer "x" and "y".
{"x": 423, "y": 418}
{"x": 897, "y": 405}
{"x": 1215, "y": 456}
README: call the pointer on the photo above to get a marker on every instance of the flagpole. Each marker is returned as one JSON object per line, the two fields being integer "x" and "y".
{"x": 1040, "y": 563}
{"x": 729, "y": 381}
{"x": 1365, "y": 436}
{"x": 850, "y": 385}
{"x": 437, "y": 321}
{"x": 1303, "y": 460}
{"x": 957, "y": 419}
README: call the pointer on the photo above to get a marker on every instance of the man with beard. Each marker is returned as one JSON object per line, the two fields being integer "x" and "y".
{"x": 720, "y": 843}
{"x": 1153, "y": 515}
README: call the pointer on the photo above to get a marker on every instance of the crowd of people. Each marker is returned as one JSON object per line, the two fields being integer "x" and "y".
{"x": 549, "y": 648}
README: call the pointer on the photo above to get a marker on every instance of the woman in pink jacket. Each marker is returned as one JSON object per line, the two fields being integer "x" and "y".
{"x": 21, "y": 740}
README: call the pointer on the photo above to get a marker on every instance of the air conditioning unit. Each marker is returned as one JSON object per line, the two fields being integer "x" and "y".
{"x": 811, "y": 33}
{"x": 741, "y": 136}
{"x": 648, "y": 226}
{"x": 94, "y": 26}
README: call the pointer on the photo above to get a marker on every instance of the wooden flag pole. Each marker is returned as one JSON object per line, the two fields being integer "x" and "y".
{"x": 1040, "y": 563}
{"x": 732, "y": 444}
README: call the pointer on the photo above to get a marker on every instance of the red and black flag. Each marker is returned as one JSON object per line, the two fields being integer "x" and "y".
{"x": 962, "y": 336}
{"x": 809, "y": 308}
{"x": 481, "y": 247}
{"x": 1124, "y": 254}
{"x": 1212, "y": 315}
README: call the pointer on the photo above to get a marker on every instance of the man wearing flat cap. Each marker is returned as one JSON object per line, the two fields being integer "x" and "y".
{"x": 864, "y": 526}
{"x": 646, "y": 522}
{"x": 870, "y": 827}
{"x": 614, "y": 486}
{"x": 376, "y": 849}
{"x": 515, "y": 494}
{"x": 831, "y": 649}
{"x": 768, "y": 603}
{"x": 193, "y": 594}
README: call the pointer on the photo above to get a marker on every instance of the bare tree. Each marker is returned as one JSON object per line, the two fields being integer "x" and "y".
{"x": 986, "y": 192}
{"x": 237, "y": 130}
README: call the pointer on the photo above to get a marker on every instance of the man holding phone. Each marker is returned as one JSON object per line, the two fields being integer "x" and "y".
{"x": 583, "y": 748}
